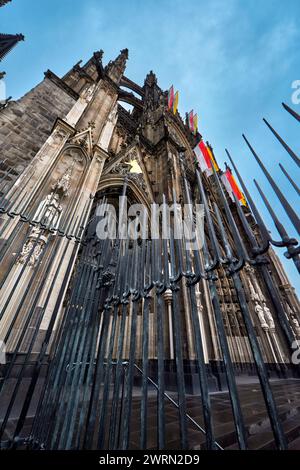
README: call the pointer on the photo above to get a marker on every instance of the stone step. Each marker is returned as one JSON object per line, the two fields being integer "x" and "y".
{"x": 287, "y": 397}
{"x": 295, "y": 444}
{"x": 265, "y": 440}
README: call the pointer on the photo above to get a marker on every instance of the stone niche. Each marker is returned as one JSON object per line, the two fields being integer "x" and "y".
{"x": 65, "y": 179}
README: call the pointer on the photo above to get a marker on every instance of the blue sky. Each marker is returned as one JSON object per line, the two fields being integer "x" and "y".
{"x": 233, "y": 62}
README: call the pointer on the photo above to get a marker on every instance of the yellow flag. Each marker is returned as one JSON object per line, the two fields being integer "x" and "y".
{"x": 213, "y": 160}
{"x": 243, "y": 201}
{"x": 175, "y": 105}
{"x": 195, "y": 124}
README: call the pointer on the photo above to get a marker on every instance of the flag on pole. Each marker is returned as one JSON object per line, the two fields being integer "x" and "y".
{"x": 195, "y": 119}
{"x": 203, "y": 158}
{"x": 212, "y": 157}
{"x": 232, "y": 187}
{"x": 175, "y": 104}
{"x": 171, "y": 97}
{"x": 191, "y": 120}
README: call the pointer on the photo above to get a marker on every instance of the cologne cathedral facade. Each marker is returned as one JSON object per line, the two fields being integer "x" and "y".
{"x": 132, "y": 343}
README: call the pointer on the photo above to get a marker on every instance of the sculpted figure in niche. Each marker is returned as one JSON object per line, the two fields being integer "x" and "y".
{"x": 292, "y": 315}
{"x": 253, "y": 294}
{"x": 260, "y": 313}
{"x": 88, "y": 92}
{"x": 269, "y": 317}
{"x": 49, "y": 211}
{"x": 33, "y": 250}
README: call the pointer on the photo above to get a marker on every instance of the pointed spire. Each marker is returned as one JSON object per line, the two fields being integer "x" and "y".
{"x": 153, "y": 94}
{"x": 7, "y": 42}
{"x": 116, "y": 68}
{"x": 124, "y": 53}
{"x": 150, "y": 79}
{"x": 98, "y": 55}
{"x": 4, "y": 2}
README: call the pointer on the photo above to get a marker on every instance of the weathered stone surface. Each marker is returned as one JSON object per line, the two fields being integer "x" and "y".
{"x": 25, "y": 124}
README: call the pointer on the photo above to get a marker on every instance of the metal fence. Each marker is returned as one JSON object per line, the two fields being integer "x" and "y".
{"x": 81, "y": 391}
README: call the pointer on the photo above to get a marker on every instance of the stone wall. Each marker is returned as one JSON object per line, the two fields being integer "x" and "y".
{"x": 25, "y": 124}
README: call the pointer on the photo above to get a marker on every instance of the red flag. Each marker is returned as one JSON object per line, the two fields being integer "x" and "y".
{"x": 171, "y": 97}
{"x": 191, "y": 120}
{"x": 232, "y": 186}
{"x": 195, "y": 121}
{"x": 203, "y": 158}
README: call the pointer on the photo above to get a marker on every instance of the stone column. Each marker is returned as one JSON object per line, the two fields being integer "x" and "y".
{"x": 99, "y": 109}
{"x": 108, "y": 129}
{"x": 211, "y": 320}
{"x": 89, "y": 188}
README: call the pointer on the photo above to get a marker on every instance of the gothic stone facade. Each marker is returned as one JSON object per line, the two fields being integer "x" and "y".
{"x": 68, "y": 143}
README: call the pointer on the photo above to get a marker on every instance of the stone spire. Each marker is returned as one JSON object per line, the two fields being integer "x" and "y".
{"x": 3, "y": 2}
{"x": 98, "y": 55}
{"x": 7, "y": 42}
{"x": 152, "y": 91}
{"x": 151, "y": 79}
{"x": 116, "y": 68}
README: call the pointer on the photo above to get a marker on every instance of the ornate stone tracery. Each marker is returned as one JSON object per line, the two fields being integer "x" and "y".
{"x": 46, "y": 218}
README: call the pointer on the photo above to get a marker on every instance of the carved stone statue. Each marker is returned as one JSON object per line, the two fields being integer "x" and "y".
{"x": 113, "y": 115}
{"x": 260, "y": 313}
{"x": 255, "y": 290}
{"x": 33, "y": 250}
{"x": 269, "y": 317}
{"x": 88, "y": 92}
{"x": 49, "y": 211}
{"x": 62, "y": 186}
{"x": 253, "y": 294}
